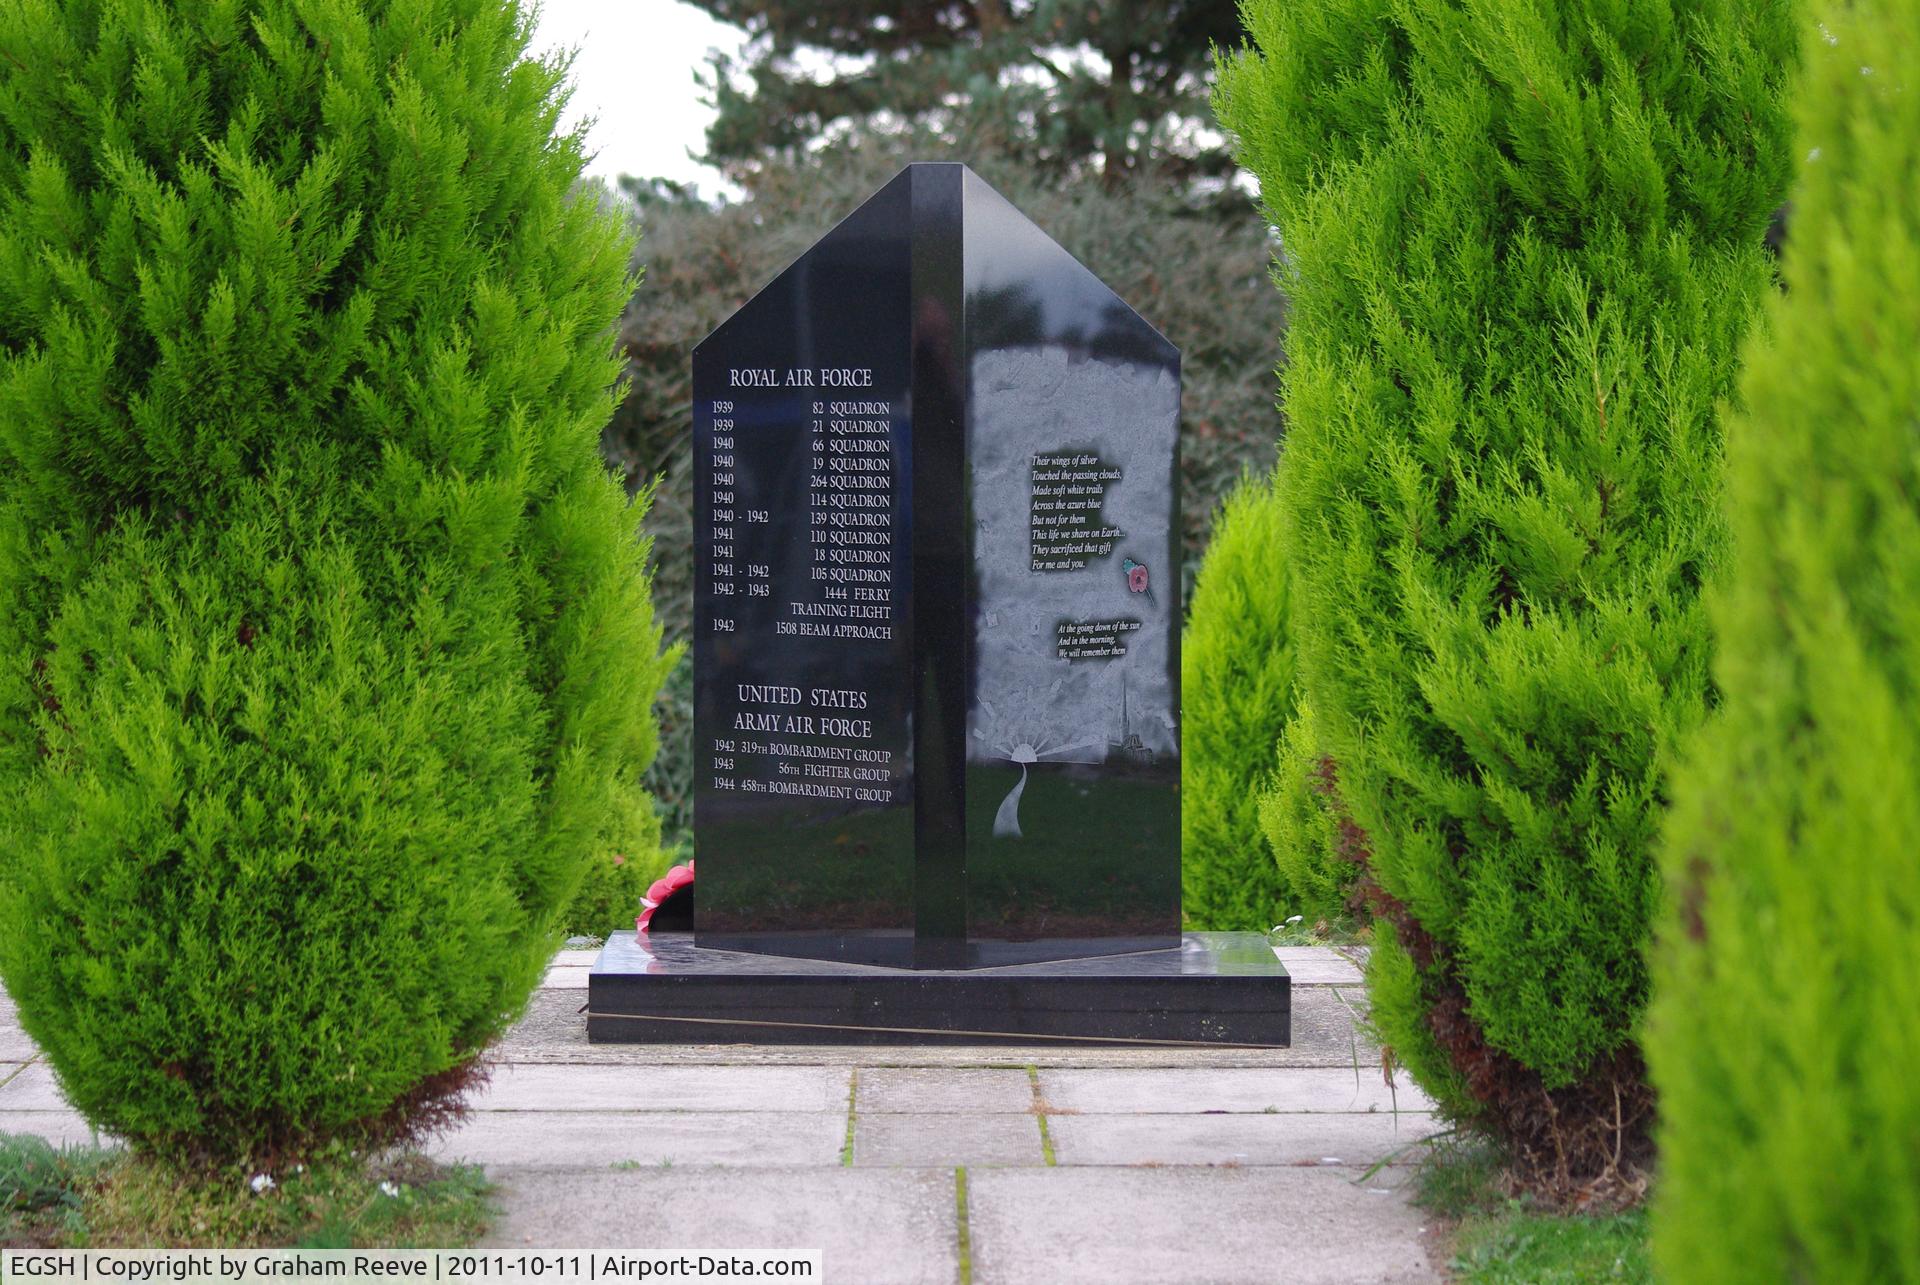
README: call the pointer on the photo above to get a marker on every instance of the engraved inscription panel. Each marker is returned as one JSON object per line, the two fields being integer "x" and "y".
{"x": 803, "y": 629}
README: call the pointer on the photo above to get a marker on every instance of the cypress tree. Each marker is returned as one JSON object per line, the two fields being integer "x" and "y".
{"x": 1523, "y": 242}
{"x": 1296, "y": 806}
{"x": 1786, "y": 1021}
{"x": 1236, "y": 686}
{"x": 325, "y": 645}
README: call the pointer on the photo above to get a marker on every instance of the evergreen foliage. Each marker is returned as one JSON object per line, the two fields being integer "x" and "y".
{"x": 1200, "y": 275}
{"x": 609, "y": 898}
{"x": 1236, "y": 694}
{"x": 1785, "y": 1027}
{"x": 1237, "y": 698}
{"x": 325, "y": 646}
{"x": 1298, "y": 813}
{"x": 1522, "y": 244}
{"x": 1059, "y": 82}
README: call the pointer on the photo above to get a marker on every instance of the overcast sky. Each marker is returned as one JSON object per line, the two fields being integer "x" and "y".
{"x": 634, "y": 75}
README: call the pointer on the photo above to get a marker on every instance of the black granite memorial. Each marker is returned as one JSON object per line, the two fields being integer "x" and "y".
{"x": 936, "y": 659}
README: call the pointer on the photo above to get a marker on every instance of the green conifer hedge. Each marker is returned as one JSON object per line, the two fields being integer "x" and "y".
{"x": 325, "y": 645}
{"x": 1522, "y": 243}
{"x": 1297, "y": 808}
{"x": 1236, "y": 685}
{"x": 1785, "y": 1029}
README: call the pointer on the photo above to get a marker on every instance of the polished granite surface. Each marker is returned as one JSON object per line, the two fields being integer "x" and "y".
{"x": 1215, "y": 989}
{"x": 1198, "y": 955}
{"x": 936, "y": 611}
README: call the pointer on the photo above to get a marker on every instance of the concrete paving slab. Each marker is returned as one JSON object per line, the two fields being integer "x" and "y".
{"x": 1228, "y": 1089}
{"x": 15, "y": 1046}
{"x": 33, "y": 1089}
{"x": 536, "y": 1087}
{"x": 597, "y": 1141}
{"x": 61, "y": 1128}
{"x": 1191, "y": 1226}
{"x": 1318, "y": 966}
{"x": 1324, "y": 1034}
{"x": 945, "y": 1141}
{"x": 574, "y": 958}
{"x": 565, "y": 979}
{"x": 932, "y": 1089}
{"x": 1307, "y": 1138}
{"x": 872, "y": 1225}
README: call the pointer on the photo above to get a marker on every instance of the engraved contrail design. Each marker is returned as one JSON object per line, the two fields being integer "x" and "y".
{"x": 1006, "y": 822}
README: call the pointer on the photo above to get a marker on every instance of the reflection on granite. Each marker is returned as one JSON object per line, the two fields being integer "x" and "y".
{"x": 1213, "y": 989}
{"x": 1198, "y": 955}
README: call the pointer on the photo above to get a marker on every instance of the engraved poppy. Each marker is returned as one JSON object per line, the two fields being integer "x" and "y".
{"x": 675, "y": 887}
{"x": 1136, "y": 577}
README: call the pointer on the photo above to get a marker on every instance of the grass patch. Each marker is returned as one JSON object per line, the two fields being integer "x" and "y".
{"x": 1498, "y": 1240}
{"x": 1459, "y": 1175}
{"x": 1519, "y": 1247}
{"x": 1324, "y": 930}
{"x": 101, "y": 1198}
{"x": 43, "y": 1189}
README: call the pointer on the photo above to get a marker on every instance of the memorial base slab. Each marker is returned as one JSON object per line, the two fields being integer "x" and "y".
{"x": 1218, "y": 989}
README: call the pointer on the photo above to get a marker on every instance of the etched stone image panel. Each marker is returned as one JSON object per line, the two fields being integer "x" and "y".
{"x": 1073, "y": 726}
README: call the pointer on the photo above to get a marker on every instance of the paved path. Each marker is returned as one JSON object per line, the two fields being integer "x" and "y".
{"x": 1025, "y": 1165}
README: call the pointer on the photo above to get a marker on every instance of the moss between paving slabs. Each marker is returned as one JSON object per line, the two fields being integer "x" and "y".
{"x": 964, "y": 1249}
{"x": 1500, "y": 1241}
{"x": 853, "y": 1094}
{"x": 105, "y": 1198}
{"x": 1041, "y": 1109}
